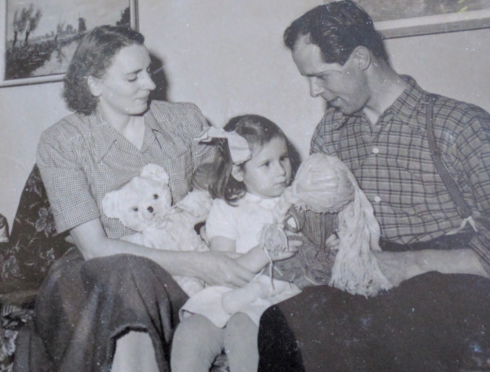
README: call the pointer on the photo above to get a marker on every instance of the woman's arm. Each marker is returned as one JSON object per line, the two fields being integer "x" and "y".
{"x": 255, "y": 259}
{"x": 213, "y": 267}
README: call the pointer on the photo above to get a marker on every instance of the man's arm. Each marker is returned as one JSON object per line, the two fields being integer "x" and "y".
{"x": 400, "y": 266}
{"x": 469, "y": 157}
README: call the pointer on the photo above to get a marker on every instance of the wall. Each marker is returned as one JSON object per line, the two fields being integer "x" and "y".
{"x": 24, "y": 113}
{"x": 227, "y": 57}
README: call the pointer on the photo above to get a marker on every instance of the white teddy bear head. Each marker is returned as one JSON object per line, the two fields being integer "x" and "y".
{"x": 141, "y": 200}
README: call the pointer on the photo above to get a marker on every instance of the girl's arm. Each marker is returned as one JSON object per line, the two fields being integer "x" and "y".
{"x": 213, "y": 267}
{"x": 254, "y": 260}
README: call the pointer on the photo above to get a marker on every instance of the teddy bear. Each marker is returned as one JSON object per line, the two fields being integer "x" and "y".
{"x": 144, "y": 205}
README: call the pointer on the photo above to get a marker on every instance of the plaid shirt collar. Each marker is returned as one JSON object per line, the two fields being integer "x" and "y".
{"x": 107, "y": 136}
{"x": 405, "y": 108}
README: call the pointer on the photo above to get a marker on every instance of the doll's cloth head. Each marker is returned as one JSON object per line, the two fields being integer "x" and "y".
{"x": 323, "y": 184}
{"x": 141, "y": 200}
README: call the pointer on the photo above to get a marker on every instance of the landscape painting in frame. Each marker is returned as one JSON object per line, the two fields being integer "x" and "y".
{"x": 397, "y": 18}
{"x": 39, "y": 37}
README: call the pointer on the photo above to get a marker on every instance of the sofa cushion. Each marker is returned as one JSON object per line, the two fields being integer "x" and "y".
{"x": 34, "y": 244}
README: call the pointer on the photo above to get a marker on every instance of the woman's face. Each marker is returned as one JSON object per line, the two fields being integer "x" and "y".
{"x": 126, "y": 84}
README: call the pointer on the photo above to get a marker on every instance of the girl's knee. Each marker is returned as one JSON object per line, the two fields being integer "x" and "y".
{"x": 196, "y": 344}
{"x": 241, "y": 323}
{"x": 197, "y": 328}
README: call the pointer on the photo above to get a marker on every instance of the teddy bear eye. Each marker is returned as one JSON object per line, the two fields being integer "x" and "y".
{"x": 135, "y": 209}
{"x": 155, "y": 196}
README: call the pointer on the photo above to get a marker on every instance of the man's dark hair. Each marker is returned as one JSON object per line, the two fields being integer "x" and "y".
{"x": 337, "y": 28}
{"x": 93, "y": 57}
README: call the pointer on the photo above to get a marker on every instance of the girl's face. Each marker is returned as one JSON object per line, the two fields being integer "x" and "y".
{"x": 126, "y": 85}
{"x": 268, "y": 172}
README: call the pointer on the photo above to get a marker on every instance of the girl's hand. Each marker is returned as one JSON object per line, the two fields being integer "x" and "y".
{"x": 333, "y": 242}
{"x": 292, "y": 247}
{"x": 278, "y": 255}
{"x": 219, "y": 268}
{"x": 294, "y": 240}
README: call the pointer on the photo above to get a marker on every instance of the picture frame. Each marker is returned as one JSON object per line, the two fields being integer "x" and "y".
{"x": 38, "y": 39}
{"x": 395, "y": 18}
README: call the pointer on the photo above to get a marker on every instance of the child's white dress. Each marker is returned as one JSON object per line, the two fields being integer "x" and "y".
{"x": 243, "y": 224}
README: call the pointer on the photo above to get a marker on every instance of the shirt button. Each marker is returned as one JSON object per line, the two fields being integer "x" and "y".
{"x": 375, "y": 150}
{"x": 377, "y": 199}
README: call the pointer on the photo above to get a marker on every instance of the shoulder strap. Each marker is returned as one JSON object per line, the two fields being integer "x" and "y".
{"x": 463, "y": 208}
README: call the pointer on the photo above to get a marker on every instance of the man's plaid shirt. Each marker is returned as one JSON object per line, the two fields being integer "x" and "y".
{"x": 393, "y": 165}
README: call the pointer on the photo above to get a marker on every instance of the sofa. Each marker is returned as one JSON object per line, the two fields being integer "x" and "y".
{"x": 25, "y": 259}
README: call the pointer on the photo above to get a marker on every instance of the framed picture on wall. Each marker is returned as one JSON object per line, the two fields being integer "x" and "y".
{"x": 38, "y": 38}
{"x": 395, "y": 18}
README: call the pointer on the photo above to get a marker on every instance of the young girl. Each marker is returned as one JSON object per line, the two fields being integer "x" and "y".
{"x": 252, "y": 173}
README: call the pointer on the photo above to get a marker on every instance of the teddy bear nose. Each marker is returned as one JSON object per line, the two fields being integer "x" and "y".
{"x": 150, "y": 209}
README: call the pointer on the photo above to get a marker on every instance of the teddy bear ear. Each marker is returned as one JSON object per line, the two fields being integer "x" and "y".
{"x": 109, "y": 205}
{"x": 155, "y": 172}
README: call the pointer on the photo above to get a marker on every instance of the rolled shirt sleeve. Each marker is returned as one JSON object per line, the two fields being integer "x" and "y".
{"x": 471, "y": 158}
{"x": 68, "y": 190}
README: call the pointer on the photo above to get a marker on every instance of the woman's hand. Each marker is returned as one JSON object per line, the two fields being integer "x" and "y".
{"x": 220, "y": 268}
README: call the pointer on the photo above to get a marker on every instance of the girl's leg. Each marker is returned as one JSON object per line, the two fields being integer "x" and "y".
{"x": 134, "y": 353}
{"x": 241, "y": 343}
{"x": 196, "y": 344}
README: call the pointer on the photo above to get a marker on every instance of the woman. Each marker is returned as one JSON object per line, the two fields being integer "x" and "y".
{"x": 107, "y": 301}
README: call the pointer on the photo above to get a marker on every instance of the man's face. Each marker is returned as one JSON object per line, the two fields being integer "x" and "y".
{"x": 343, "y": 87}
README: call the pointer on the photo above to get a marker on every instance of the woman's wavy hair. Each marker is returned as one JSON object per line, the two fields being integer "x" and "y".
{"x": 93, "y": 57}
{"x": 258, "y": 131}
{"x": 337, "y": 28}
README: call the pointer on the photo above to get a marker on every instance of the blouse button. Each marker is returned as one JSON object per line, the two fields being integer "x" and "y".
{"x": 377, "y": 199}
{"x": 375, "y": 150}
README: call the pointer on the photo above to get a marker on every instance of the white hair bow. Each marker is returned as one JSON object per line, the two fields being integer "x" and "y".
{"x": 239, "y": 150}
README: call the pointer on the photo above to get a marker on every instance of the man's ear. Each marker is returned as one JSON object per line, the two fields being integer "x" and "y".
{"x": 237, "y": 173}
{"x": 94, "y": 86}
{"x": 362, "y": 57}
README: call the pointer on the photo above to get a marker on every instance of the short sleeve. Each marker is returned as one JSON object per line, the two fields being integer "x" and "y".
{"x": 221, "y": 221}
{"x": 67, "y": 187}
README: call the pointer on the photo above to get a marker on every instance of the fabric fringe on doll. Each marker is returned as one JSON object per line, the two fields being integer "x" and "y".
{"x": 356, "y": 269}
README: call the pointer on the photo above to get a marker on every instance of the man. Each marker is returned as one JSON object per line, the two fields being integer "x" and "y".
{"x": 376, "y": 124}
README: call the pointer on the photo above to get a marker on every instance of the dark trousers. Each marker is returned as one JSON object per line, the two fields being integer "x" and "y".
{"x": 433, "y": 322}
